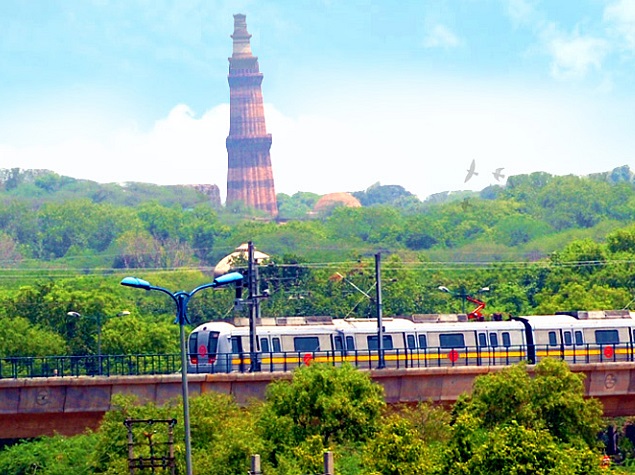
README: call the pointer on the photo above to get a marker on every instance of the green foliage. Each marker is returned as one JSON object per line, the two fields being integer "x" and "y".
{"x": 399, "y": 449}
{"x": 56, "y": 455}
{"x": 378, "y": 194}
{"x": 133, "y": 335}
{"x": 18, "y": 337}
{"x": 528, "y": 424}
{"x": 321, "y": 403}
{"x": 297, "y": 206}
{"x": 222, "y": 434}
{"x": 513, "y": 448}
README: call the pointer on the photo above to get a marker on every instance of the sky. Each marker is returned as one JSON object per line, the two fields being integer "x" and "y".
{"x": 356, "y": 92}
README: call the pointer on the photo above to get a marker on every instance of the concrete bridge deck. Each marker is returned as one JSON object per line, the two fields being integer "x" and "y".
{"x": 69, "y": 405}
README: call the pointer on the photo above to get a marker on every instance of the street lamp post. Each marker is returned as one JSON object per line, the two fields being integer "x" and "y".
{"x": 181, "y": 299}
{"x": 98, "y": 319}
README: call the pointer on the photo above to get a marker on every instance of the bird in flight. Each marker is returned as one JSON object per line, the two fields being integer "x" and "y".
{"x": 471, "y": 171}
{"x": 497, "y": 174}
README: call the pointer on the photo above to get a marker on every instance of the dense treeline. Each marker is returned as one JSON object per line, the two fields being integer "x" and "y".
{"x": 513, "y": 422}
{"x": 79, "y": 223}
{"x": 540, "y": 244}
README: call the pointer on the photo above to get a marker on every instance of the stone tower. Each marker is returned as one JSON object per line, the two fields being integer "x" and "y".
{"x": 249, "y": 172}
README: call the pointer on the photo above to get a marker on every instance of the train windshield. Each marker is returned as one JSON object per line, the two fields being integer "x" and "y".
{"x": 212, "y": 343}
{"x": 193, "y": 348}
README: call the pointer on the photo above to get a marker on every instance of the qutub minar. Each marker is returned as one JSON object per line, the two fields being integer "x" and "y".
{"x": 249, "y": 172}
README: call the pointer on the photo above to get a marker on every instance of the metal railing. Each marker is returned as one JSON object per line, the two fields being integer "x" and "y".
{"x": 104, "y": 365}
{"x": 137, "y": 365}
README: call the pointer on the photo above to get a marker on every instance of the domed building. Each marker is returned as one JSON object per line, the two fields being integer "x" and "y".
{"x": 240, "y": 256}
{"x": 330, "y": 201}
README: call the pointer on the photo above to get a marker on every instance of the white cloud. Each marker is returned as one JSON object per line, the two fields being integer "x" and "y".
{"x": 440, "y": 36}
{"x": 621, "y": 16}
{"x": 520, "y": 11}
{"x": 179, "y": 149}
{"x": 425, "y": 144}
{"x": 573, "y": 56}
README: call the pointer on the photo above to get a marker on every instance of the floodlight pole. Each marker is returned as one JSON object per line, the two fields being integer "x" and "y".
{"x": 181, "y": 299}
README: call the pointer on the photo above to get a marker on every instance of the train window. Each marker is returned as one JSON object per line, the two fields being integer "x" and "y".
{"x": 567, "y": 338}
{"x": 372, "y": 342}
{"x": 579, "y": 340}
{"x": 493, "y": 340}
{"x": 337, "y": 341}
{"x": 607, "y": 337}
{"x": 423, "y": 342}
{"x": 212, "y": 343}
{"x": 553, "y": 341}
{"x": 412, "y": 344}
{"x": 482, "y": 339}
{"x": 350, "y": 343}
{"x": 237, "y": 345}
{"x": 306, "y": 343}
{"x": 275, "y": 343}
{"x": 264, "y": 345}
{"x": 452, "y": 340}
{"x": 507, "y": 342}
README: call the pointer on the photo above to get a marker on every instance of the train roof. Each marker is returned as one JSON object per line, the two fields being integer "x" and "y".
{"x": 561, "y": 320}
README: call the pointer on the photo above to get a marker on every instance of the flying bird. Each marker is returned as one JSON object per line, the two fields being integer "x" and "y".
{"x": 471, "y": 171}
{"x": 497, "y": 174}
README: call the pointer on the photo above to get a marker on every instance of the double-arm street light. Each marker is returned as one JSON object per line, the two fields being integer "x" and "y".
{"x": 97, "y": 317}
{"x": 181, "y": 299}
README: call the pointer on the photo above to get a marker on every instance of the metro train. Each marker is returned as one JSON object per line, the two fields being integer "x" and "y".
{"x": 416, "y": 341}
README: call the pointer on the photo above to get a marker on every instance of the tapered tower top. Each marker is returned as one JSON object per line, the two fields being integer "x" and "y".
{"x": 241, "y": 36}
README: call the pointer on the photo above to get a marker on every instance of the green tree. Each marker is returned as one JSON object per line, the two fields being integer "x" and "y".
{"x": 336, "y": 404}
{"x": 133, "y": 335}
{"x": 56, "y": 455}
{"x": 513, "y": 421}
{"x": 18, "y": 337}
{"x": 223, "y": 434}
{"x": 399, "y": 448}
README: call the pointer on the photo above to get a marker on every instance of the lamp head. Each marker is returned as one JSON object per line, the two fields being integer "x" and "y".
{"x": 225, "y": 279}
{"x": 443, "y": 288}
{"x": 74, "y": 314}
{"x": 136, "y": 283}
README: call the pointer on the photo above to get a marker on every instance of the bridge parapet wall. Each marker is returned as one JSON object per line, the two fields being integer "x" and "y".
{"x": 44, "y": 406}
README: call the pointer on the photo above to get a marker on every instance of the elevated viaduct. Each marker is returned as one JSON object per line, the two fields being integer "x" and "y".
{"x": 45, "y": 406}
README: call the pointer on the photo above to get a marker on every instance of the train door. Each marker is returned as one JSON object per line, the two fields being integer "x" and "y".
{"x": 339, "y": 347}
{"x": 422, "y": 345}
{"x": 272, "y": 358}
{"x": 484, "y": 347}
{"x": 411, "y": 353}
{"x": 492, "y": 347}
{"x": 238, "y": 354}
{"x": 573, "y": 345}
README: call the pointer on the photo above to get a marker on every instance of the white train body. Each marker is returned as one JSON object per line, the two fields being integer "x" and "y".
{"x": 417, "y": 341}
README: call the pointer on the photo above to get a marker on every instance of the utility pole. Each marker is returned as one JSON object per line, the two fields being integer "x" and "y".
{"x": 378, "y": 303}
{"x": 253, "y": 301}
{"x": 254, "y": 307}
